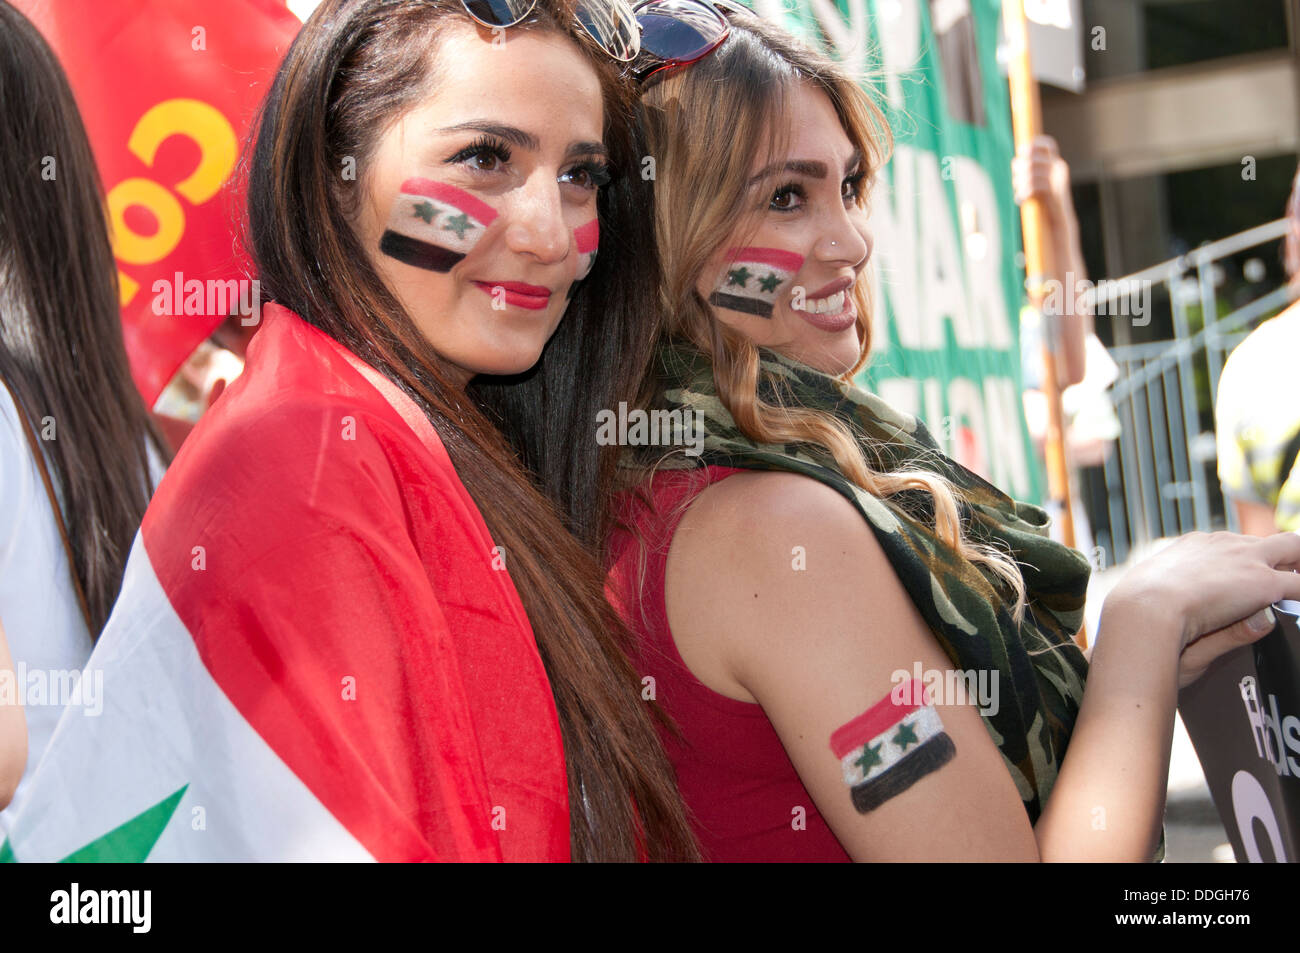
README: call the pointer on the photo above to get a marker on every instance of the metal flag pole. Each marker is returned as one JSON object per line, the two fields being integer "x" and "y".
{"x": 1026, "y": 125}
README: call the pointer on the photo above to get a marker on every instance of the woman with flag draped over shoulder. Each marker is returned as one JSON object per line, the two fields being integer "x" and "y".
{"x": 353, "y": 626}
{"x": 868, "y": 650}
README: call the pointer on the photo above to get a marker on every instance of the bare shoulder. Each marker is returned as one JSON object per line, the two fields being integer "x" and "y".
{"x": 771, "y": 525}
{"x": 772, "y": 502}
{"x": 764, "y": 564}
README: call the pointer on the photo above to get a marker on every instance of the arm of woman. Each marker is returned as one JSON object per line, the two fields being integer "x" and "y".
{"x": 820, "y": 646}
{"x": 13, "y": 730}
{"x": 1197, "y": 600}
{"x": 1039, "y": 170}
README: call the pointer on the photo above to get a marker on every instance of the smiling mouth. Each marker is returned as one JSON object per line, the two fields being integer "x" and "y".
{"x": 517, "y": 294}
{"x": 834, "y": 312}
{"x": 831, "y": 304}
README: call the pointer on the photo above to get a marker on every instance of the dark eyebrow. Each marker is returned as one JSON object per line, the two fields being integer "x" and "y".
{"x": 806, "y": 167}
{"x": 588, "y": 149}
{"x": 511, "y": 134}
{"x": 524, "y": 140}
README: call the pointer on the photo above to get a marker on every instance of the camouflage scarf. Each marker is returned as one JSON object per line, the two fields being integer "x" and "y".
{"x": 1040, "y": 670}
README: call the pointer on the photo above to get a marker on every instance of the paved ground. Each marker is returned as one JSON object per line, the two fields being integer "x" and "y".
{"x": 1193, "y": 832}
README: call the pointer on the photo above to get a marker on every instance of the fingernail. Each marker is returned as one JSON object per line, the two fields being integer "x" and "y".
{"x": 1262, "y": 622}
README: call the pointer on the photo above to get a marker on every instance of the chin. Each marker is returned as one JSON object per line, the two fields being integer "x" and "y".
{"x": 505, "y": 362}
{"x": 837, "y": 357}
{"x": 849, "y": 359}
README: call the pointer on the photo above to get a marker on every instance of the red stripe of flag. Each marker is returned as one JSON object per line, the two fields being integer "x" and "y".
{"x": 776, "y": 257}
{"x": 587, "y": 236}
{"x": 883, "y": 714}
{"x": 452, "y": 196}
{"x": 412, "y": 765}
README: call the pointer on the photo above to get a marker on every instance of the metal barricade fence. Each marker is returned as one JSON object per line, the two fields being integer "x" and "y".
{"x": 1161, "y": 480}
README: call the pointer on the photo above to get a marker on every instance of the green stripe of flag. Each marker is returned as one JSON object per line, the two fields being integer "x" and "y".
{"x": 131, "y": 842}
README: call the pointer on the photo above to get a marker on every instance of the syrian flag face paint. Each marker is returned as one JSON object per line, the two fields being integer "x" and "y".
{"x": 434, "y": 225}
{"x": 890, "y": 746}
{"x": 587, "y": 239}
{"x": 754, "y": 278}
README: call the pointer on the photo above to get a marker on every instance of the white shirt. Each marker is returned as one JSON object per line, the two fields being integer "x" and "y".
{"x": 38, "y": 604}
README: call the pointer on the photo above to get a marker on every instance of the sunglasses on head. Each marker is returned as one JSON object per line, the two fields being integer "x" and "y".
{"x": 661, "y": 35}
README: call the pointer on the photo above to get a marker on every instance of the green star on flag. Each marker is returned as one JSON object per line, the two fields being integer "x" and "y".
{"x": 870, "y": 758}
{"x": 906, "y": 736}
{"x": 426, "y": 211}
{"x": 769, "y": 283}
{"x": 458, "y": 224}
{"x": 739, "y": 276}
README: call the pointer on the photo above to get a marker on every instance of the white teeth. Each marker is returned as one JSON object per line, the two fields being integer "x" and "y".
{"x": 832, "y": 305}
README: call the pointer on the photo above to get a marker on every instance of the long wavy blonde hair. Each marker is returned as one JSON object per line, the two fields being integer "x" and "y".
{"x": 704, "y": 126}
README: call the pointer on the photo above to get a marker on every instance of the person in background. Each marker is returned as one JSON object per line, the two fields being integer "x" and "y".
{"x": 202, "y": 379}
{"x": 1257, "y": 412}
{"x": 79, "y": 458}
{"x": 1084, "y": 369}
{"x": 1039, "y": 171}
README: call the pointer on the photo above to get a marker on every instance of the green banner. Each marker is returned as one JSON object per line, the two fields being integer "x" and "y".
{"x": 945, "y": 225}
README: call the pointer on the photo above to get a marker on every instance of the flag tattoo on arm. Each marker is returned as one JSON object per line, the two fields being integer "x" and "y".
{"x": 889, "y": 747}
{"x": 753, "y": 279}
{"x": 434, "y": 225}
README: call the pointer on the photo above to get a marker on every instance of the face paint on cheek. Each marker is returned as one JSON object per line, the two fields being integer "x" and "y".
{"x": 754, "y": 278}
{"x": 434, "y": 225}
{"x": 892, "y": 745}
{"x": 586, "y": 239}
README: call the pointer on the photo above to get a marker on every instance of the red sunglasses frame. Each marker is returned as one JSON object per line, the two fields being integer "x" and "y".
{"x": 661, "y": 67}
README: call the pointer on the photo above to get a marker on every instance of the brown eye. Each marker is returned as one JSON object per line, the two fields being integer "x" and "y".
{"x": 485, "y": 155}
{"x": 785, "y": 199}
{"x": 485, "y": 161}
{"x": 852, "y": 189}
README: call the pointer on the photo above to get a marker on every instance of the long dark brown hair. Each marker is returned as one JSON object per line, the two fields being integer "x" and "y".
{"x": 356, "y": 67}
{"x": 61, "y": 348}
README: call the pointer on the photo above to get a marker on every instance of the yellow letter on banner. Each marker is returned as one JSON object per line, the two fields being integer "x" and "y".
{"x": 136, "y": 249}
{"x": 203, "y": 124}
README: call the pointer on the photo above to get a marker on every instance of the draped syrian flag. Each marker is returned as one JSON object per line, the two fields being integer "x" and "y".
{"x": 434, "y": 225}
{"x": 316, "y": 653}
{"x": 203, "y": 784}
{"x": 755, "y": 278}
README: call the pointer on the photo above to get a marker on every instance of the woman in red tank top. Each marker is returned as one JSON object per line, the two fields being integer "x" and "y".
{"x": 865, "y": 648}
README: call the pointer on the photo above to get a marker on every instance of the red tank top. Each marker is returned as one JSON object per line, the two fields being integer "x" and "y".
{"x": 745, "y": 797}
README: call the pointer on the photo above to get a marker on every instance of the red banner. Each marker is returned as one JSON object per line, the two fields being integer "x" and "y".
{"x": 168, "y": 90}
